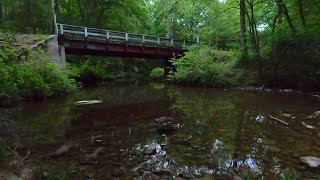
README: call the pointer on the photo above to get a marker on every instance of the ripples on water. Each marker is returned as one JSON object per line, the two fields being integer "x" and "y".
{"x": 220, "y": 133}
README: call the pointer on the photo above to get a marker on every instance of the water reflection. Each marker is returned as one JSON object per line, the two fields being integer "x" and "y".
{"x": 236, "y": 123}
{"x": 219, "y": 133}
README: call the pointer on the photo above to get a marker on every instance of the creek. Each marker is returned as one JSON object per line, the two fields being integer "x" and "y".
{"x": 197, "y": 133}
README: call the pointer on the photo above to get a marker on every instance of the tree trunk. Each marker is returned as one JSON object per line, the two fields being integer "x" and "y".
{"x": 301, "y": 12}
{"x": 27, "y": 16}
{"x": 276, "y": 18}
{"x": 1, "y": 13}
{"x": 254, "y": 36}
{"x": 169, "y": 30}
{"x": 81, "y": 12}
{"x": 284, "y": 10}
{"x": 56, "y": 7}
{"x": 243, "y": 28}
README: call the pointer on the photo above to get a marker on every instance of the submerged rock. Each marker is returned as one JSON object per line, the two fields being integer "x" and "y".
{"x": 62, "y": 150}
{"x": 186, "y": 175}
{"x": 308, "y": 126}
{"x": 182, "y": 142}
{"x": 311, "y": 161}
{"x": 88, "y": 102}
{"x": 89, "y": 174}
{"x": 163, "y": 172}
{"x": 250, "y": 88}
{"x": 97, "y": 140}
{"x": 15, "y": 164}
{"x": 237, "y": 178}
{"x": 274, "y": 149}
{"x": 89, "y": 159}
{"x": 163, "y": 119}
{"x": 167, "y": 129}
{"x": 119, "y": 172}
{"x": 152, "y": 177}
{"x": 151, "y": 149}
{"x": 137, "y": 149}
{"x": 287, "y": 115}
{"x": 26, "y": 173}
{"x": 317, "y": 113}
{"x": 244, "y": 170}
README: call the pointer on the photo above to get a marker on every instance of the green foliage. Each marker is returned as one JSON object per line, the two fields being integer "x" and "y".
{"x": 156, "y": 73}
{"x": 40, "y": 78}
{"x": 157, "y": 85}
{"x": 39, "y": 15}
{"x": 287, "y": 175}
{"x": 91, "y": 69}
{"x": 294, "y": 61}
{"x": 125, "y": 15}
{"x": 30, "y": 75}
{"x": 206, "y": 66}
{"x": 273, "y": 38}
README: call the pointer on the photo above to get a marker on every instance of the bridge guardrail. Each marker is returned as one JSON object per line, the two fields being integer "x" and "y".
{"x": 116, "y": 37}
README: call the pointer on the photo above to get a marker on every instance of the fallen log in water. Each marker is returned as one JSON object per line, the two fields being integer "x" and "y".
{"x": 279, "y": 120}
{"x": 88, "y": 102}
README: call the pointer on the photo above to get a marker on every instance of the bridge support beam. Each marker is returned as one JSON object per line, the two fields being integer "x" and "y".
{"x": 56, "y": 52}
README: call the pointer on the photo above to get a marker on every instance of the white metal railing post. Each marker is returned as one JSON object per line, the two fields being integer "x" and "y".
{"x": 107, "y": 40}
{"x": 158, "y": 41}
{"x": 108, "y": 35}
{"x": 61, "y": 29}
{"x": 86, "y": 32}
{"x": 127, "y": 37}
{"x": 171, "y": 43}
{"x": 143, "y": 39}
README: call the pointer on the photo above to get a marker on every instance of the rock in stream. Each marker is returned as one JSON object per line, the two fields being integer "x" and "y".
{"x": 311, "y": 161}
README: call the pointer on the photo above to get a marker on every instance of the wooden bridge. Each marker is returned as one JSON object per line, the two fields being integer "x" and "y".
{"x": 91, "y": 41}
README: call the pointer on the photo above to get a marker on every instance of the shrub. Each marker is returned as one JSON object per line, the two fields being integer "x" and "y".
{"x": 36, "y": 77}
{"x": 92, "y": 69}
{"x": 294, "y": 61}
{"x": 203, "y": 65}
{"x": 156, "y": 73}
{"x": 39, "y": 77}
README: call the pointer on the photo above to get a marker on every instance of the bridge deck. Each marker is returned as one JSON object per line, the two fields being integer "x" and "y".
{"x": 90, "y": 41}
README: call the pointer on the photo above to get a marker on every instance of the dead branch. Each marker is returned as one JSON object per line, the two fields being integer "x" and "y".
{"x": 279, "y": 120}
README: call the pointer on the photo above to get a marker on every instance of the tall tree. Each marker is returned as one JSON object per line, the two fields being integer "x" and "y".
{"x": 243, "y": 28}
{"x": 27, "y": 16}
{"x": 282, "y": 6}
{"x": 1, "y": 12}
{"x": 302, "y": 12}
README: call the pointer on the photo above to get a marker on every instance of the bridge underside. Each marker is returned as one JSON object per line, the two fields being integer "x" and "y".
{"x": 80, "y": 47}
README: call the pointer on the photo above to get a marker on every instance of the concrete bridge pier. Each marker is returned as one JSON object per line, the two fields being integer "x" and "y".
{"x": 56, "y": 52}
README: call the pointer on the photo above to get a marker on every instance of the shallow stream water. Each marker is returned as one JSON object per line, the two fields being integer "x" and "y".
{"x": 217, "y": 133}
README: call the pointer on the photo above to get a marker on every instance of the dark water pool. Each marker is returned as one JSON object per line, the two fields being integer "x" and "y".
{"x": 214, "y": 133}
